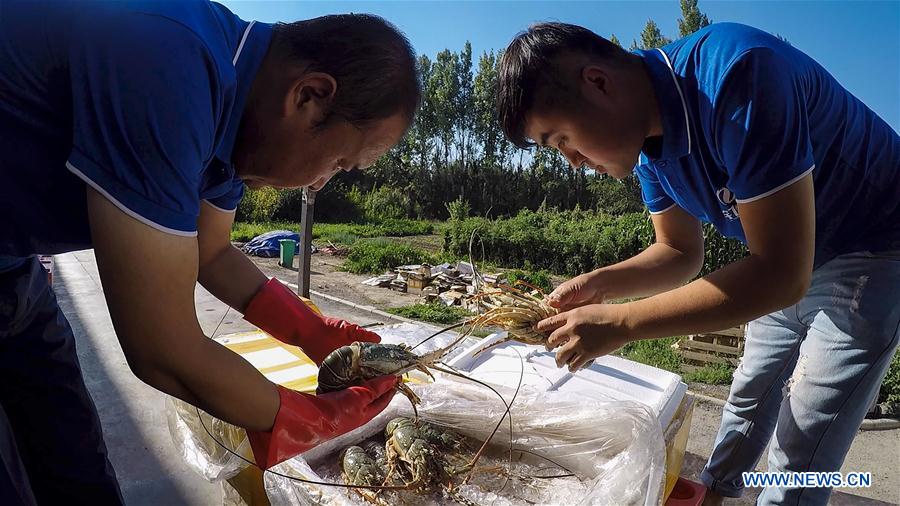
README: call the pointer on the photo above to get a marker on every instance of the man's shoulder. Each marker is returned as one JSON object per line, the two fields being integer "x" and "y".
{"x": 173, "y": 23}
{"x": 712, "y": 52}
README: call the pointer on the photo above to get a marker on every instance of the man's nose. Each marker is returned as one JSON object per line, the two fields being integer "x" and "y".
{"x": 575, "y": 159}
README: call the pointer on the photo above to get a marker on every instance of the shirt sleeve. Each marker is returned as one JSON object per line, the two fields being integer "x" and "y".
{"x": 144, "y": 107}
{"x": 762, "y": 130}
{"x": 655, "y": 197}
{"x": 228, "y": 202}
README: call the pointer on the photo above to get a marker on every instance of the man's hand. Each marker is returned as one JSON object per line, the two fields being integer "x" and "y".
{"x": 673, "y": 259}
{"x": 578, "y": 291}
{"x": 278, "y": 311}
{"x": 304, "y": 421}
{"x": 585, "y": 333}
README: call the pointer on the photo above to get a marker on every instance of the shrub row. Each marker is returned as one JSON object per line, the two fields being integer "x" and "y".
{"x": 569, "y": 242}
{"x": 338, "y": 233}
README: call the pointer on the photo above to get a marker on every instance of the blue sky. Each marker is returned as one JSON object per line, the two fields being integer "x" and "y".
{"x": 857, "y": 41}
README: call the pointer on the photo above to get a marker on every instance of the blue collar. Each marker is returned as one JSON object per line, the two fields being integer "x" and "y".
{"x": 250, "y": 47}
{"x": 672, "y": 104}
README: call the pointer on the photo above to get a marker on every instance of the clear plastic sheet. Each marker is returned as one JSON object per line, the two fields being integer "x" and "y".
{"x": 215, "y": 463}
{"x": 615, "y": 448}
{"x": 199, "y": 450}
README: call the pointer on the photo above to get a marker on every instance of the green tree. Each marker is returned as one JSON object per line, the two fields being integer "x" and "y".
{"x": 615, "y": 40}
{"x": 463, "y": 106}
{"x": 651, "y": 37}
{"x": 691, "y": 18}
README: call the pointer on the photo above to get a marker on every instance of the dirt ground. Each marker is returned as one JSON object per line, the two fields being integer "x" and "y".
{"x": 326, "y": 277}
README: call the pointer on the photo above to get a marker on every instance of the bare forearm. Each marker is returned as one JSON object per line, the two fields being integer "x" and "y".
{"x": 658, "y": 268}
{"x": 232, "y": 278}
{"x": 215, "y": 379}
{"x": 730, "y": 296}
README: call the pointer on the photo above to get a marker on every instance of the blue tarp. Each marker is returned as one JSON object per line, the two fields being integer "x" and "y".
{"x": 266, "y": 245}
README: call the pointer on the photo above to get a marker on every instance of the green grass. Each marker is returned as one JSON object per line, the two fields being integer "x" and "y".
{"x": 479, "y": 333}
{"x": 713, "y": 374}
{"x": 434, "y": 313}
{"x": 338, "y": 233}
{"x": 378, "y": 256}
{"x": 655, "y": 352}
{"x": 243, "y": 232}
{"x": 659, "y": 353}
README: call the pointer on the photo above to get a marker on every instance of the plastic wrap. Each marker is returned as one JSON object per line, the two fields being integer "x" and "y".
{"x": 215, "y": 463}
{"x": 615, "y": 448}
{"x": 198, "y": 449}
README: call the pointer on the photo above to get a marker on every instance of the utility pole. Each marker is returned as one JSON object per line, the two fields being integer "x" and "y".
{"x": 306, "y": 223}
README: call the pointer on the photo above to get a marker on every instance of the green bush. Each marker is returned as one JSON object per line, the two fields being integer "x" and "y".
{"x": 617, "y": 196}
{"x": 719, "y": 250}
{"x": 378, "y": 256}
{"x": 564, "y": 242}
{"x": 258, "y": 205}
{"x": 568, "y": 242}
{"x": 334, "y": 202}
{"x": 540, "y": 279}
{"x": 890, "y": 388}
{"x": 435, "y": 313}
{"x": 386, "y": 203}
{"x": 459, "y": 209}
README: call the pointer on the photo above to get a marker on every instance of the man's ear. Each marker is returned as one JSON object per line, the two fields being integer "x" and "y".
{"x": 311, "y": 95}
{"x": 596, "y": 78}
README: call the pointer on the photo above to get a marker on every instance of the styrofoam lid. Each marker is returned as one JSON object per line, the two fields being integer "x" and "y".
{"x": 609, "y": 378}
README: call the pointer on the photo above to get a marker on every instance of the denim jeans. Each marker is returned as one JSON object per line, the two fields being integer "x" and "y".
{"x": 51, "y": 443}
{"x": 808, "y": 376}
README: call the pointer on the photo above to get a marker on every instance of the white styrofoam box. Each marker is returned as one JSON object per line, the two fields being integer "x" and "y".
{"x": 609, "y": 378}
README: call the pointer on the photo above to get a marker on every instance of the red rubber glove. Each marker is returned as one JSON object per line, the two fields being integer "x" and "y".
{"x": 278, "y": 311}
{"x": 304, "y": 421}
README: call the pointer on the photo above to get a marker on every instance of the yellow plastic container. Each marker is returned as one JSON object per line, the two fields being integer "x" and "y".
{"x": 676, "y": 437}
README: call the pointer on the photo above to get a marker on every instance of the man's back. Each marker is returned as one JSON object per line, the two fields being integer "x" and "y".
{"x": 120, "y": 95}
{"x": 761, "y": 113}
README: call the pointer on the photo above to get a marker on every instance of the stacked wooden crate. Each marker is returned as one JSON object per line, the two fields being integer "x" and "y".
{"x": 720, "y": 347}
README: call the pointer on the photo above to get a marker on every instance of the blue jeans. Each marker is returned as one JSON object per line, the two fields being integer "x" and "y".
{"x": 808, "y": 376}
{"x": 51, "y": 443}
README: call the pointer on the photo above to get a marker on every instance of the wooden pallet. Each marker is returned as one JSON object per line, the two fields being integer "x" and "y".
{"x": 720, "y": 347}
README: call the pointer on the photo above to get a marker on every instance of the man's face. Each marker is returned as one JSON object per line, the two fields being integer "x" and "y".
{"x": 597, "y": 126}
{"x": 291, "y": 155}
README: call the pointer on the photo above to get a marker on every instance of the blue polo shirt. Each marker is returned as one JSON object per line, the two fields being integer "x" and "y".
{"x": 139, "y": 100}
{"x": 744, "y": 115}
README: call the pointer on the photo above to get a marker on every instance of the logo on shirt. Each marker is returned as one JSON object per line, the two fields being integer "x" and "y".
{"x": 729, "y": 208}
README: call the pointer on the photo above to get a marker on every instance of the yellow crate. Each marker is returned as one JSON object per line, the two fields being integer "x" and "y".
{"x": 676, "y": 437}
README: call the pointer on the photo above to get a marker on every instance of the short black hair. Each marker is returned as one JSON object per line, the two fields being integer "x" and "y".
{"x": 371, "y": 60}
{"x": 530, "y": 66}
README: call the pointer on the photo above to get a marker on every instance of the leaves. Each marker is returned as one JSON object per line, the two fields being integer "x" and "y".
{"x": 651, "y": 37}
{"x": 691, "y": 18}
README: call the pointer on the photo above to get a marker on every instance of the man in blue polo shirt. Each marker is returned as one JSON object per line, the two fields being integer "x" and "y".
{"x": 132, "y": 127}
{"x": 733, "y": 127}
